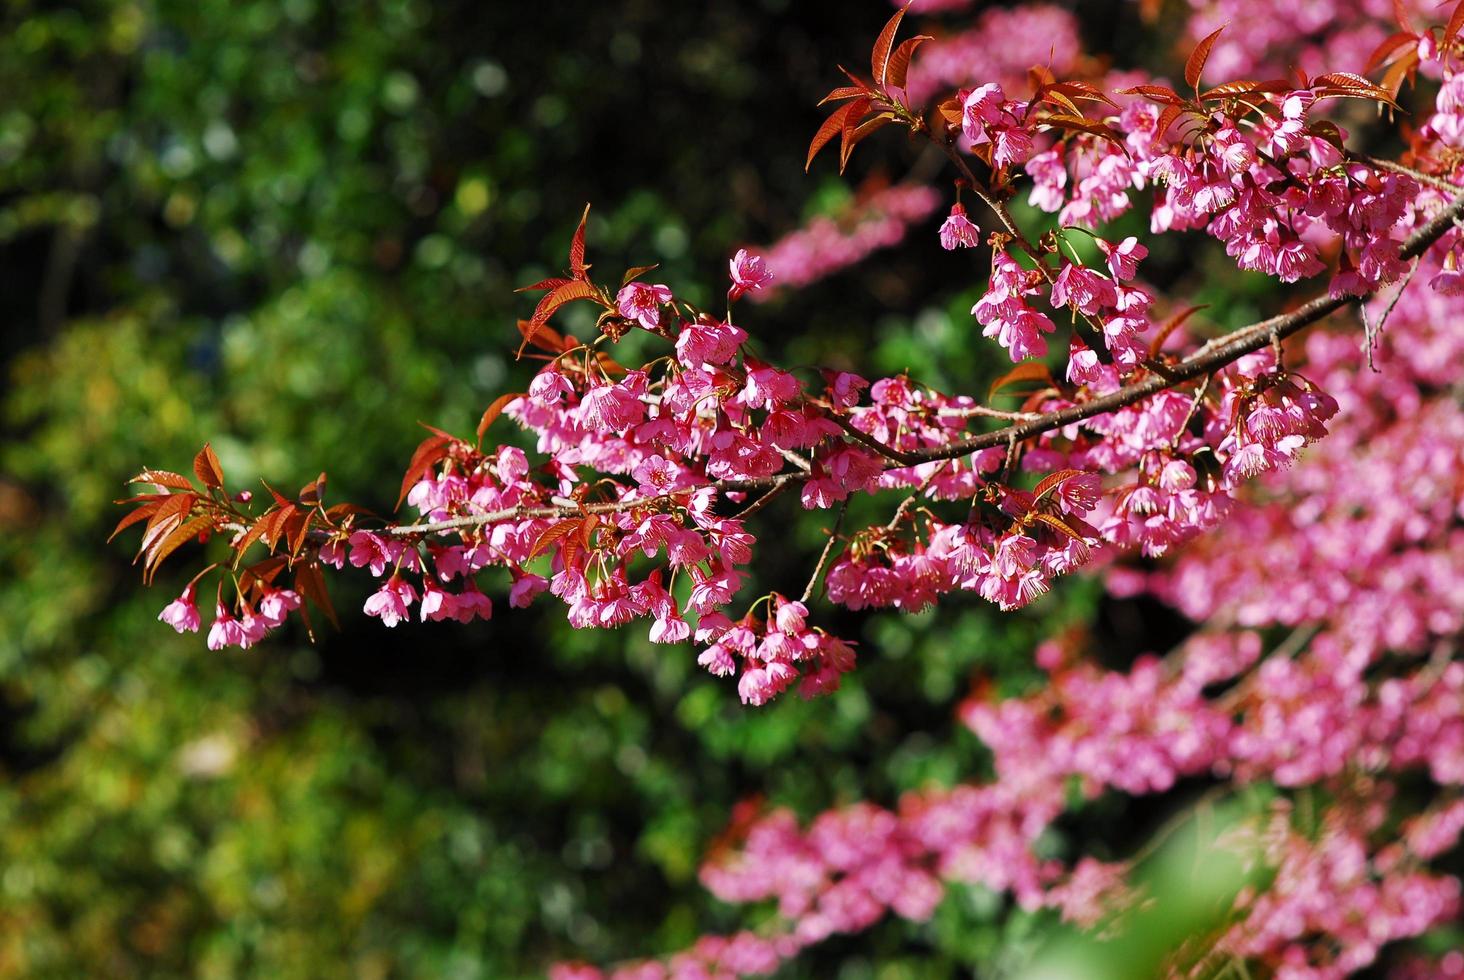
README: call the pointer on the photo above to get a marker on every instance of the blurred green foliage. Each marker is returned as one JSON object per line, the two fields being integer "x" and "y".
{"x": 292, "y": 228}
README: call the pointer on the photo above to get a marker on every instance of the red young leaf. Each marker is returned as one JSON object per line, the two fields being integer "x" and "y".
{"x": 297, "y": 529}
{"x": 167, "y": 545}
{"x": 163, "y": 478}
{"x": 553, "y": 282}
{"x": 587, "y": 532}
{"x": 262, "y": 573}
{"x": 491, "y": 413}
{"x": 1058, "y": 98}
{"x": 635, "y": 272}
{"x": 206, "y": 465}
{"x": 1167, "y": 118}
{"x": 843, "y": 92}
{"x": 1456, "y": 22}
{"x": 577, "y": 265}
{"x": 1196, "y": 62}
{"x": 272, "y": 525}
{"x": 311, "y": 492}
{"x": 1345, "y": 85}
{"x": 1062, "y": 120}
{"x": 1175, "y": 322}
{"x": 311, "y": 584}
{"x": 1245, "y": 87}
{"x": 255, "y": 532}
{"x": 279, "y": 498}
{"x": 1393, "y": 42}
{"x": 1057, "y": 524}
{"x": 543, "y": 336}
{"x": 552, "y": 534}
{"x": 863, "y": 130}
{"x": 170, "y": 513}
{"x": 569, "y": 550}
{"x": 1026, "y": 371}
{"x": 1049, "y": 482}
{"x": 1400, "y": 14}
{"x": 428, "y": 453}
{"x": 140, "y": 514}
{"x": 879, "y": 59}
{"x": 831, "y": 127}
{"x": 899, "y": 66}
{"x": 556, "y": 298}
{"x": 1343, "y": 79}
{"x": 1154, "y": 93}
{"x": 856, "y": 112}
{"x": 1403, "y": 68}
{"x": 560, "y": 295}
{"x": 1083, "y": 90}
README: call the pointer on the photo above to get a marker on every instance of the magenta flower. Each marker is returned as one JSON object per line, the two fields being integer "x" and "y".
{"x": 182, "y": 612}
{"x": 717, "y": 659}
{"x": 1450, "y": 282}
{"x": 958, "y": 231}
{"x": 670, "y": 629}
{"x": 980, "y": 106}
{"x": 226, "y": 631}
{"x": 708, "y": 343}
{"x": 749, "y": 272}
{"x": 614, "y": 407}
{"x": 437, "y": 605}
{"x": 391, "y": 602}
{"x": 1010, "y": 144}
{"x": 276, "y": 605}
{"x": 368, "y": 550}
{"x": 525, "y": 587}
{"x": 1123, "y": 258}
{"x": 1049, "y": 181}
{"x": 845, "y": 389}
{"x": 656, "y": 475}
{"x": 472, "y": 604}
{"x": 1085, "y": 289}
{"x": 642, "y": 302}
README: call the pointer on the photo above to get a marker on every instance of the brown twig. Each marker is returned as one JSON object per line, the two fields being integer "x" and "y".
{"x": 824, "y": 556}
{"x": 905, "y": 504}
{"x": 1436, "y": 182}
{"x": 1212, "y": 357}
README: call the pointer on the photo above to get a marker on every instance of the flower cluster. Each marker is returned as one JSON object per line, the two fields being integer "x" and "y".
{"x": 638, "y": 502}
{"x": 830, "y": 243}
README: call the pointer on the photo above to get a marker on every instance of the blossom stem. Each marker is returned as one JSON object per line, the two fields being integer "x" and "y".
{"x": 824, "y": 557}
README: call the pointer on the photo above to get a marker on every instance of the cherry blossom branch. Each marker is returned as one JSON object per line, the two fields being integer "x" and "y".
{"x": 1432, "y": 180}
{"x": 824, "y": 556}
{"x": 1207, "y": 360}
{"x": 1212, "y": 357}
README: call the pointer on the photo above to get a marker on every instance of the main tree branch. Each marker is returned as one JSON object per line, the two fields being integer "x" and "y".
{"x": 1210, "y": 358}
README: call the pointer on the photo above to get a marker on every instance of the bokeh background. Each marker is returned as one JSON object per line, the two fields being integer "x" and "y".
{"x": 293, "y": 228}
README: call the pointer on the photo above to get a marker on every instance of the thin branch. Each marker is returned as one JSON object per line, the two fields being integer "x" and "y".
{"x": 1209, "y": 359}
{"x": 1370, "y": 332}
{"x": 828, "y": 547}
{"x": 984, "y": 412}
{"x": 1194, "y": 407}
{"x": 1438, "y": 183}
{"x": 905, "y": 504}
{"x": 761, "y": 502}
{"x": 1212, "y": 357}
{"x": 889, "y": 452}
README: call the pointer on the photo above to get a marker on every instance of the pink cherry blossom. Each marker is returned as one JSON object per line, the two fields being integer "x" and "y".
{"x": 182, "y": 612}
{"x": 958, "y": 231}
